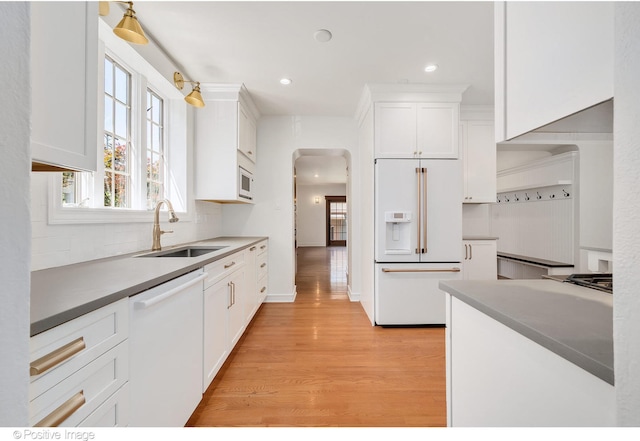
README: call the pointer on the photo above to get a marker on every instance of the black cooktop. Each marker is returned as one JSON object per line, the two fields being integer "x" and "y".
{"x": 602, "y": 282}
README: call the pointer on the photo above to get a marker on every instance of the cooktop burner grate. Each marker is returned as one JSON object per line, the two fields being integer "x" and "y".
{"x": 602, "y": 282}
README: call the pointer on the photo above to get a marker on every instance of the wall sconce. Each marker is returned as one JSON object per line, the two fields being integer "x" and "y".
{"x": 129, "y": 28}
{"x": 194, "y": 98}
{"x": 317, "y": 199}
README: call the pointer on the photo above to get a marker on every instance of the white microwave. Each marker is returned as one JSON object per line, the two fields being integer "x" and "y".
{"x": 245, "y": 184}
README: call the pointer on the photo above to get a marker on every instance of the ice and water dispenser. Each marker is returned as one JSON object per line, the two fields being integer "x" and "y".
{"x": 397, "y": 236}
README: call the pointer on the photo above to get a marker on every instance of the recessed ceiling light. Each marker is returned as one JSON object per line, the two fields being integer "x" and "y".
{"x": 322, "y": 35}
{"x": 431, "y": 68}
{"x": 285, "y": 81}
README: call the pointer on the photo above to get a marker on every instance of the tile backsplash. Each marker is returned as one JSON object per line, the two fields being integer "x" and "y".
{"x": 57, "y": 245}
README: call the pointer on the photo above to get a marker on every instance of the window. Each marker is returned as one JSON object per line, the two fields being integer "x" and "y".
{"x": 142, "y": 155}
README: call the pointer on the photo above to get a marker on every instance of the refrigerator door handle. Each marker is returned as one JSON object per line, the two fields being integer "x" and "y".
{"x": 421, "y": 270}
{"x": 425, "y": 210}
{"x": 419, "y": 205}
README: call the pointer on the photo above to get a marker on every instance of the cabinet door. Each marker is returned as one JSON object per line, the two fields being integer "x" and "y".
{"x": 246, "y": 133}
{"x": 480, "y": 260}
{"x": 64, "y": 81}
{"x": 237, "y": 318}
{"x": 395, "y": 130}
{"x": 479, "y": 157}
{"x": 251, "y": 297}
{"x": 216, "y": 305}
{"x": 437, "y": 130}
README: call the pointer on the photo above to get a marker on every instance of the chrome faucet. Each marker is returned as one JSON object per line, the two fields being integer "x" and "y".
{"x": 156, "y": 223}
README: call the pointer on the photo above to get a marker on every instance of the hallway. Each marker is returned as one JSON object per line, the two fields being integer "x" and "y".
{"x": 319, "y": 362}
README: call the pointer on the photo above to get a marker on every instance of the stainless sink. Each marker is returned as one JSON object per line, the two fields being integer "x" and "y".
{"x": 194, "y": 251}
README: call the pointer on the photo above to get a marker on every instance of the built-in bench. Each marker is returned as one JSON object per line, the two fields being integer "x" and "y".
{"x": 514, "y": 266}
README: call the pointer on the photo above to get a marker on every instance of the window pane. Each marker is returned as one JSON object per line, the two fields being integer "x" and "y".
{"x": 122, "y": 86}
{"x": 149, "y": 164}
{"x": 68, "y": 188}
{"x": 108, "y": 189}
{"x": 108, "y": 76}
{"x": 121, "y": 120}
{"x": 121, "y": 155}
{"x": 120, "y": 200}
{"x": 156, "y": 109}
{"x": 108, "y": 114}
{"x": 155, "y": 144}
{"x": 108, "y": 152}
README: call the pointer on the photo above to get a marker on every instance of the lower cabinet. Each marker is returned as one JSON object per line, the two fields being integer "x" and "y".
{"x": 224, "y": 316}
{"x": 480, "y": 260}
{"x": 80, "y": 371}
{"x": 496, "y": 377}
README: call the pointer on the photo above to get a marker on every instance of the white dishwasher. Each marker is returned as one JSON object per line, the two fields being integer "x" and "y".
{"x": 165, "y": 344}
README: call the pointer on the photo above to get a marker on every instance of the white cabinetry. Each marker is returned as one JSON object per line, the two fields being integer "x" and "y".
{"x": 497, "y": 377}
{"x": 263, "y": 271}
{"x": 80, "y": 369}
{"x": 64, "y": 82}
{"x": 224, "y": 318}
{"x": 544, "y": 62}
{"x": 416, "y": 130}
{"x": 479, "y": 160}
{"x": 480, "y": 260}
{"x": 225, "y": 140}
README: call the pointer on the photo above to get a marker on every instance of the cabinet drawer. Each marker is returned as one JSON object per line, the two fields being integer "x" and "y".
{"x": 112, "y": 413}
{"x": 63, "y": 350}
{"x": 262, "y": 265}
{"x": 223, "y": 267}
{"x": 77, "y": 396}
{"x": 263, "y": 288}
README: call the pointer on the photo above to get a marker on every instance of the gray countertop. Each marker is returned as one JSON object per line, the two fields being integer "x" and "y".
{"x": 571, "y": 321}
{"x": 63, "y": 293}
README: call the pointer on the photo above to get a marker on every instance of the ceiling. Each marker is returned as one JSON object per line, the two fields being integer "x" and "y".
{"x": 258, "y": 43}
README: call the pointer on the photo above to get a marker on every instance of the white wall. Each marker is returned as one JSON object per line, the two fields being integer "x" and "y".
{"x": 279, "y": 138}
{"x": 15, "y": 230}
{"x": 311, "y": 217}
{"x": 626, "y": 220}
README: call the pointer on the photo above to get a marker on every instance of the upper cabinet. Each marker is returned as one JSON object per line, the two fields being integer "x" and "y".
{"x": 416, "y": 130}
{"x": 414, "y": 120}
{"x": 478, "y": 155}
{"x": 225, "y": 143}
{"x": 548, "y": 64}
{"x": 64, "y": 83}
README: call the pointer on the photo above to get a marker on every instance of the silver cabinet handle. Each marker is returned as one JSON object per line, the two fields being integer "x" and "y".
{"x": 263, "y": 265}
{"x": 263, "y": 247}
{"x": 470, "y": 252}
{"x": 264, "y": 288}
{"x": 56, "y": 357}
{"x": 229, "y": 265}
{"x": 424, "y": 209}
{"x": 230, "y": 302}
{"x": 142, "y": 304}
{"x": 466, "y": 252}
{"x": 66, "y": 409}
{"x": 418, "y": 188}
{"x": 252, "y": 249}
{"x": 420, "y": 270}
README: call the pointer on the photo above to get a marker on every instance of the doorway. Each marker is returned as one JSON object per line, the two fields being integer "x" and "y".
{"x": 336, "y": 220}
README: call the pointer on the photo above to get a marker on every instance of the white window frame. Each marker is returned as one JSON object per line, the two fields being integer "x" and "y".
{"x": 175, "y": 141}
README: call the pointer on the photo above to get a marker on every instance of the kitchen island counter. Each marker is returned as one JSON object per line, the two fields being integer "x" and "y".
{"x": 63, "y": 293}
{"x": 573, "y": 322}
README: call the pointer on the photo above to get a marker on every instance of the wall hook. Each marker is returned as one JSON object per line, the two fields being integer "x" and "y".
{"x": 538, "y": 193}
{"x": 566, "y": 195}
{"x": 516, "y": 197}
{"x": 526, "y": 197}
{"x": 551, "y": 196}
{"x": 506, "y": 198}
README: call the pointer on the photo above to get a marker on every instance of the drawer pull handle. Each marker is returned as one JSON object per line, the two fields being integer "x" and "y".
{"x": 230, "y": 265}
{"x": 263, "y": 247}
{"x": 418, "y": 270}
{"x": 55, "y": 418}
{"x": 56, "y": 357}
{"x": 263, "y": 265}
{"x": 264, "y": 288}
{"x": 252, "y": 249}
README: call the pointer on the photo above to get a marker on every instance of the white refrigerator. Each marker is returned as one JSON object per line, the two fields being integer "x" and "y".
{"x": 418, "y": 238}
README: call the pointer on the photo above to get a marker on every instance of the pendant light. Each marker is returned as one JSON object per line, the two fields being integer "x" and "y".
{"x": 129, "y": 29}
{"x": 194, "y": 98}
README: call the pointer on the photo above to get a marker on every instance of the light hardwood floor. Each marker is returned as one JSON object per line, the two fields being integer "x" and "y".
{"x": 318, "y": 362}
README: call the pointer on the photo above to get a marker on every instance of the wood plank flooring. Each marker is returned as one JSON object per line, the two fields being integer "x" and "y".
{"x": 318, "y": 362}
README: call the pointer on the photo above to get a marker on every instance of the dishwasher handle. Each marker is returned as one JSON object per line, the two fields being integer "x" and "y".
{"x": 143, "y": 304}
